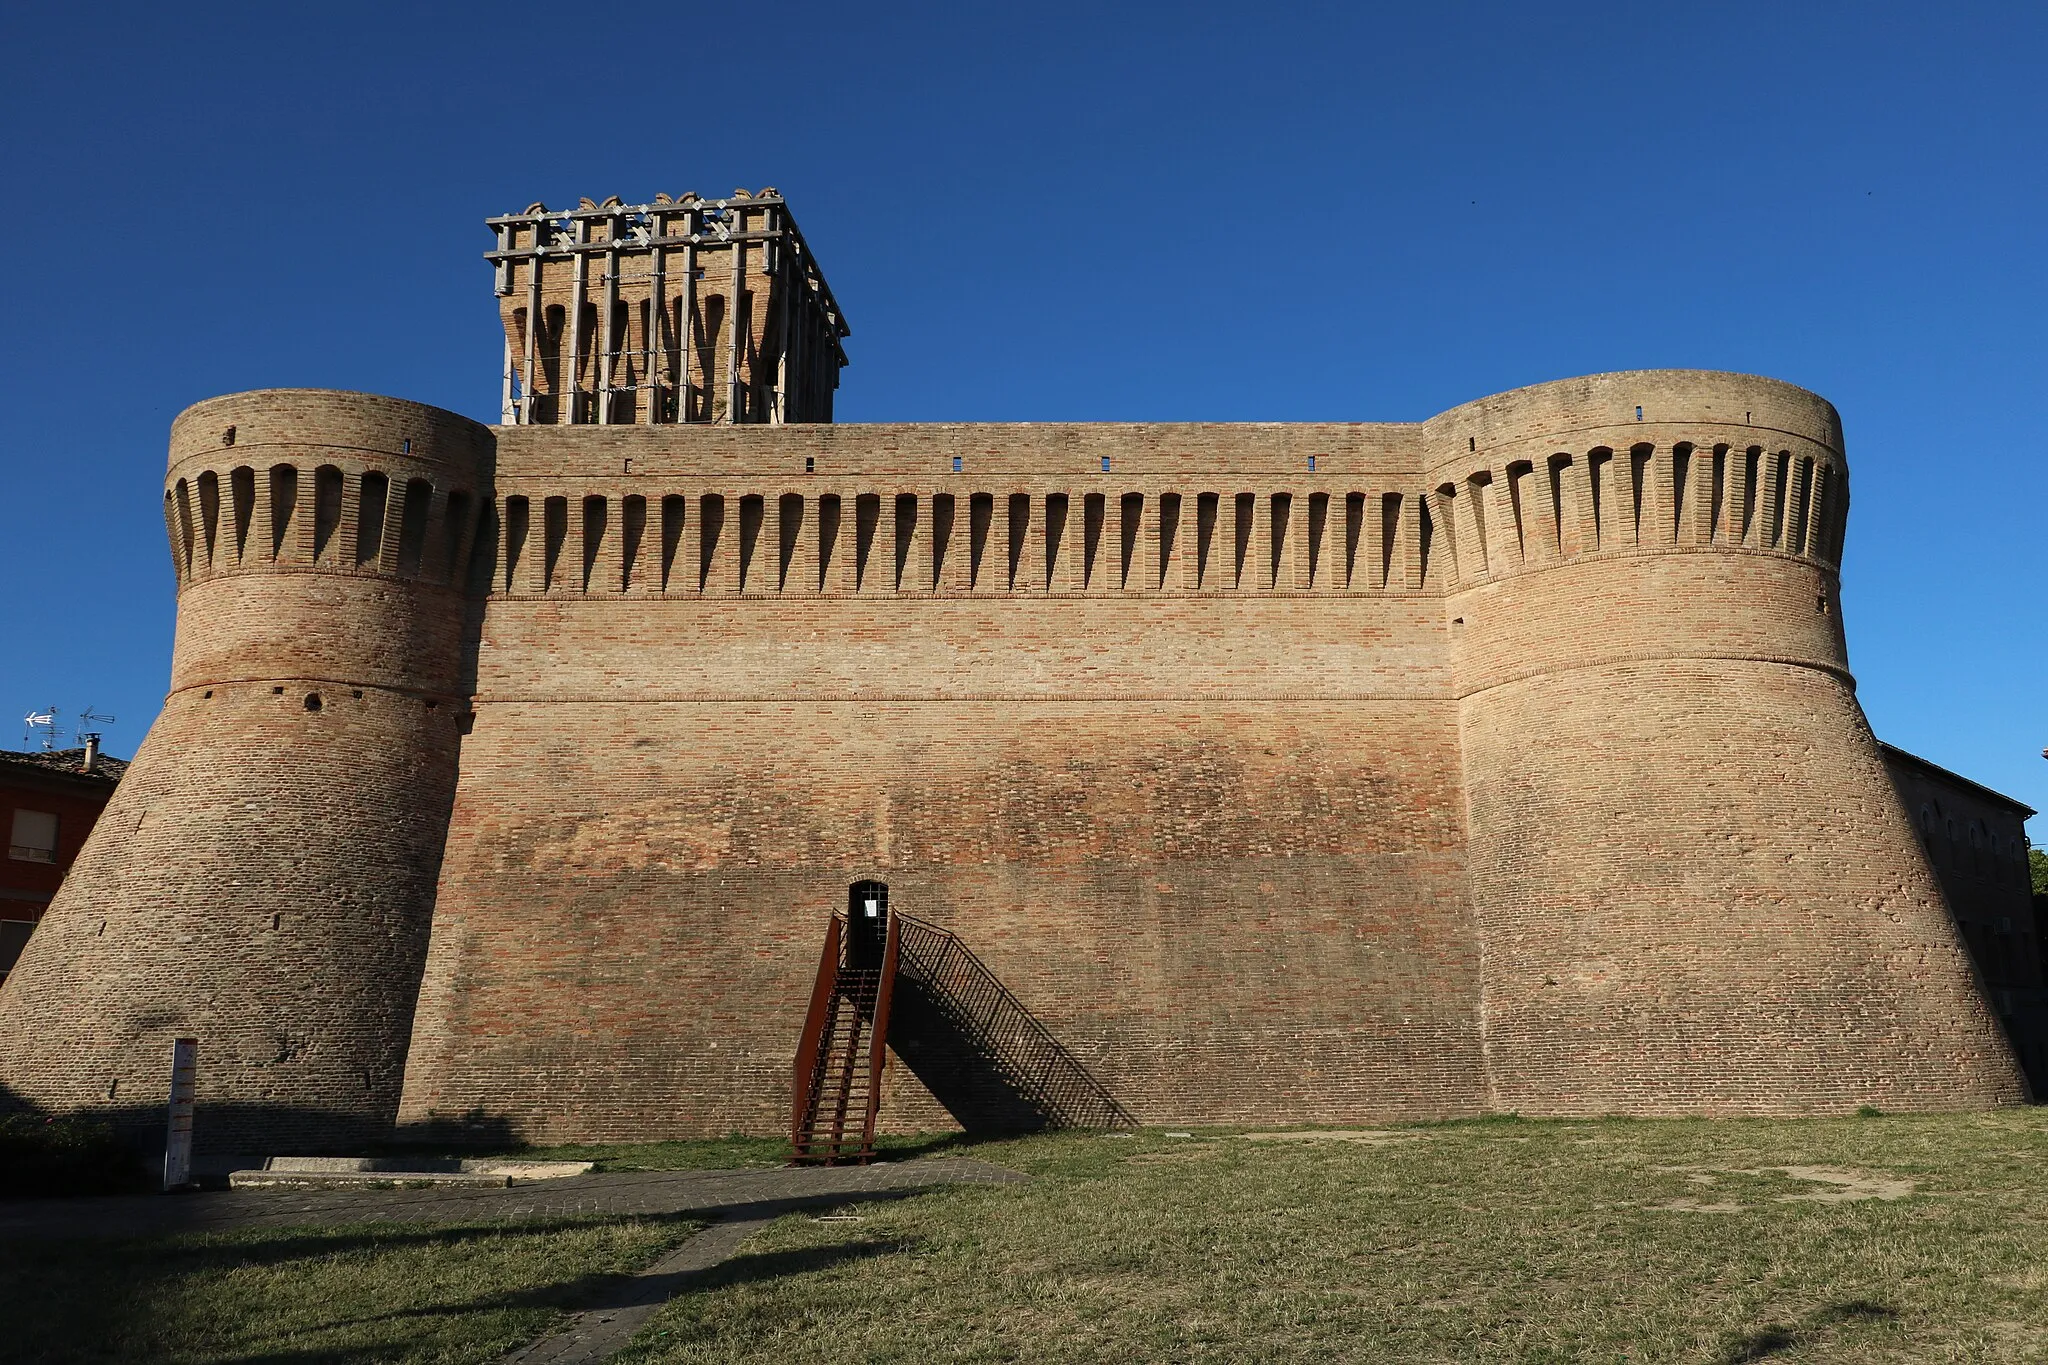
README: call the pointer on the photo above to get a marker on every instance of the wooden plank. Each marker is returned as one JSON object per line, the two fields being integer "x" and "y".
{"x": 732, "y": 317}
{"x": 557, "y": 215}
{"x": 533, "y": 324}
{"x": 779, "y": 281}
{"x": 572, "y": 379}
{"x": 608, "y": 351}
{"x": 562, "y": 251}
{"x": 657, "y": 318}
{"x": 687, "y": 325}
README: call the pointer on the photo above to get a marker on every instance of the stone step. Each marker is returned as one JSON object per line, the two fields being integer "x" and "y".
{"x": 361, "y": 1180}
{"x": 339, "y": 1172}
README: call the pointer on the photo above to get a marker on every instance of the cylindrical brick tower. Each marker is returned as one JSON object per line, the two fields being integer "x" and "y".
{"x": 264, "y": 878}
{"x": 1695, "y": 887}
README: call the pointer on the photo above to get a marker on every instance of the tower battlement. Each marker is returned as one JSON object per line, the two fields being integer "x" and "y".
{"x": 688, "y": 310}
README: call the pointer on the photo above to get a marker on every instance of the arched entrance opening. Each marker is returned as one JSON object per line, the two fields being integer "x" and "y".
{"x": 867, "y": 924}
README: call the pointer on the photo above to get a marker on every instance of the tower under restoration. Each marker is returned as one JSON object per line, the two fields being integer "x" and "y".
{"x": 687, "y": 310}
{"x": 1507, "y": 760}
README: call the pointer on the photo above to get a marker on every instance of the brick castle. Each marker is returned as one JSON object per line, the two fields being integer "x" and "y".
{"x": 1505, "y": 761}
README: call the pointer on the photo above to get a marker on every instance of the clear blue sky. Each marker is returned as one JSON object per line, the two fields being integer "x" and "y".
{"x": 1052, "y": 211}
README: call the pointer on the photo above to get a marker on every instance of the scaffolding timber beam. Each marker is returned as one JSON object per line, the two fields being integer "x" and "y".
{"x": 756, "y": 333}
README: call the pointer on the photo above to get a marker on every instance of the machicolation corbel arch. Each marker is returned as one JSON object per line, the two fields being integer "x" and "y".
{"x": 1504, "y": 761}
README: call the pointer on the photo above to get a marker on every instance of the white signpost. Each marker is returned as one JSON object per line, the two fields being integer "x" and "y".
{"x": 178, "y": 1140}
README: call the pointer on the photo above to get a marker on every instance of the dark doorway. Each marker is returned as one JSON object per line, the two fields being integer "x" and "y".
{"x": 867, "y": 925}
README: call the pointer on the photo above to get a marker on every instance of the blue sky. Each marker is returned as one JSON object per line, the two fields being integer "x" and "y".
{"x": 1082, "y": 212}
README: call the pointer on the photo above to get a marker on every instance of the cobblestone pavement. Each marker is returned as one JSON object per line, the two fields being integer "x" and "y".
{"x": 724, "y": 1195}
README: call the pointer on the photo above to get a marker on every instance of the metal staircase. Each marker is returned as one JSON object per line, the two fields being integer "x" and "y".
{"x": 837, "y": 1085}
{"x": 969, "y": 1041}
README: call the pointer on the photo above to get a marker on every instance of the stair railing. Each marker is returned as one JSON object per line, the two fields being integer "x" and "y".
{"x": 860, "y": 999}
{"x": 809, "y": 1069}
{"x": 1022, "y": 1050}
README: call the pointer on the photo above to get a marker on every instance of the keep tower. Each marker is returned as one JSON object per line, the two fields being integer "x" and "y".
{"x": 265, "y": 877}
{"x": 686, "y": 310}
{"x": 1694, "y": 886}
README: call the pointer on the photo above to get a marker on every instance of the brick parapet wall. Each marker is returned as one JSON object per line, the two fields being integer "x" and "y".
{"x": 284, "y": 481}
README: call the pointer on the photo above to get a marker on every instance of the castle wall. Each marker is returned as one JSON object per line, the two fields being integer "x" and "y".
{"x": 1323, "y": 773}
{"x": 1182, "y": 776}
{"x": 1694, "y": 886}
{"x": 263, "y": 879}
{"x": 635, "y": 893}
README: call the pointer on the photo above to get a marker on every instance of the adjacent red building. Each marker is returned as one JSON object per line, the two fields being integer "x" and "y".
{"x": 48, "y": 804}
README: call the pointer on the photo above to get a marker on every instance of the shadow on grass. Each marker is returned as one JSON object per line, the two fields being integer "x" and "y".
{"x": 104, "y": 1300}
{"x": 289, "y": 1296}
{"x": 612, "y": 1292}
{"x": 217, "y": 1250}
{"x": 758, "y": 1268}
{"x": 732, "y": 1152}
{"x": 1774, "y": 1337}
{"x": 110, "y": 1147}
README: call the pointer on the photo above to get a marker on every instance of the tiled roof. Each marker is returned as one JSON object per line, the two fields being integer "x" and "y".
{"x": 70, "y": 761}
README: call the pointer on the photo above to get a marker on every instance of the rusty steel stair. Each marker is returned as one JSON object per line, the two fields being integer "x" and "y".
{"x": 837, "y": 1080}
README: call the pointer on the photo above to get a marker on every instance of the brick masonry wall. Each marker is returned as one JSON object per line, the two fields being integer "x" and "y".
{"x": 1331, "y": 772}
{"x": 1694, "y": 885}
{"x": 263, "y": 879}
{"x": 627, "y": 929}
{"x": 1976, "y": 843}
{"x": 706, "y": 292}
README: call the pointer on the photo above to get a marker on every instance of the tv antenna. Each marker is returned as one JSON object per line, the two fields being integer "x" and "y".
{"x": 93, "y": 718}
{"x": 41, "y": 724}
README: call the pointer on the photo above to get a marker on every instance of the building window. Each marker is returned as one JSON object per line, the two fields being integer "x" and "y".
{"x": 34, "y": 839}
{"x": 13, "y": 938}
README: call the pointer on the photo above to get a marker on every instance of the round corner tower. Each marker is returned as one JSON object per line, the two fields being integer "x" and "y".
{"x": 1695, "y": 887}
{"x": 264, "y": 878}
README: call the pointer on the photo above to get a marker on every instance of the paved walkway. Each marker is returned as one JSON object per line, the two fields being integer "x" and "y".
{"x": 602, "y": 1330}
{"x": 728, "y": 1196}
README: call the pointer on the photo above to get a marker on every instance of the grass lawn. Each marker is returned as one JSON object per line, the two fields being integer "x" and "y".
{"x": 1846, "y": 1240}
{"x": 1890, "y": 1239}
{"x": 336, "y": 1296}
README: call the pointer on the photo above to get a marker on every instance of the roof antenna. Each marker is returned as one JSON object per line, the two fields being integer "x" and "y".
{"x": 41, "y": 723}
{"x": 90, "y": 739}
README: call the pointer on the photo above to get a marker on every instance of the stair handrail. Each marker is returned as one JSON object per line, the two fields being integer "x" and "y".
{"x": 804, "y": 1090}
{"x": 1004, "y": 1002}
{"x": 878, "y": 1034}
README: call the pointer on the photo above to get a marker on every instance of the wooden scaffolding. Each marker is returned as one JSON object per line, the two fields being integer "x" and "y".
{"x": 686, "y": 310}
